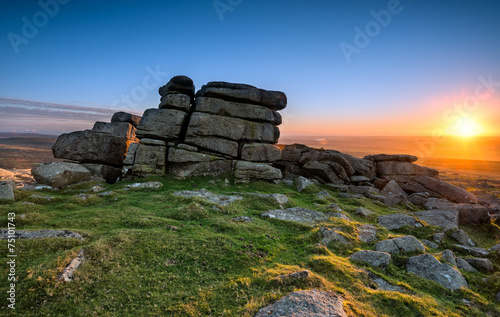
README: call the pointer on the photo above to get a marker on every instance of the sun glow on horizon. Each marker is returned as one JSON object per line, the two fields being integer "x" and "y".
{"x": 467, "y": 128}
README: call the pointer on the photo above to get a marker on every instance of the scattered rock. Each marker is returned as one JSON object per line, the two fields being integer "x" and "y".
{"x": 449, "y": 257}
{"x": 67, "y": 273}
{"x": 328, "y": 235}
{"x": 39, "y": 234}
{"x": 305, "y": 303}
{"x": 149, "y": 185}
{"x": 481, "y": 264}
{"x": 7, "y": 190}
{"x": 430, "y": 244}
{"x": 83, "y": 196}
{"x": 406, "y": 244}
{"x": 474, "y": 250}
{"x": 302, "y": 183}
{"x": 323, "y": 195}
{"x": 439, "y": 237}
{"x": 444, "y": 218}
{"x": 428, "y": 267}
{"x": 350, "y": 196}
{"x": 339, "y": 215}
{"x": 302, "y": 275}
{"x": 495, "y": 249}
{"x": 464, "y": 265}
{"x": 373, "y": 258}
{"x": 367, "y": 233}
{"x": 362, "y": 211}
{"x": 281, "y": 199}
{"x": 221, "y": 200}
{"x": 383, "y": 285}
{"x": 243, "y": 219}
{"x": 396, "y": 221}
{"x": 462, "y": 238}
{"x": 35, "y": 196}
{"x": 60, "y": 174}
{"x": 297, "y": 214}
{"x": 419, "y": 199}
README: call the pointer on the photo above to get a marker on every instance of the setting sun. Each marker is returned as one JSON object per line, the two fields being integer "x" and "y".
{"x": 468, "y": 128}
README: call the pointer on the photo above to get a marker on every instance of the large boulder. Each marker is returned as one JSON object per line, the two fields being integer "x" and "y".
{"x": 162, "y": 124}
{"x": 60, "y": 174}
{"x": 260, "y": 152}
{"x": 206, "y": 125}
{"x": 428, "y": 267}
{"x": 245, "y": 171}
{"x": 109, "y": 173}
{"x": 190, "y": 169}
{"x": 91, "y": 147}
{"x": 178, "y": 84}
{"x": 214, "y": 144}
{"x": 323, "y": 171}
{"x": 7, "y": 190}
{"x": 150, "y": 160}
{"x": 391, "y": 157}
{"x": 126, "y": 117}
{"x": 237, "y": 110}
{"x": 361, "y": 166}
{"x": 175, "y": 101}
{"x": 444, "y": 218}
{"x": 311, "y": 303}
{"x": 274, "y": 100}
{"x": 119, "y": 129}
{"x": 385, "y": 168}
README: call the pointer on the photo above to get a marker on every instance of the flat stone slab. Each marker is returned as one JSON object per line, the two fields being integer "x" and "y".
{"x": 312, "y": 303}
{"x": 474, "y": 250}
{"x": 297, "y": 214}
{"x": 151, "y": 185}
{"x": 329, "y": 235}
{"x": 428, "y": 267}
{"x": 373, "y": 258}
{"x": 281, "y": 199}
{"x": 444, "y": 218}
{"x": 38, "y": 234}
{"x": 396, "y": 221}
{"x": 400, "y": 245}
{"x": 222, "y": 200}
{"x": 384, "y": 285}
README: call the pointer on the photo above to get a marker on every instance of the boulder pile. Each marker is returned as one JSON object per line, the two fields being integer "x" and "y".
{"x": 225, "y": 128}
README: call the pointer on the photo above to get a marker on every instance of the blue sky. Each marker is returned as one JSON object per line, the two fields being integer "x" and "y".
{"x": 427, "y": 58}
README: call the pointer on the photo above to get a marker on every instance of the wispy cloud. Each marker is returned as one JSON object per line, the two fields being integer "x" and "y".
{"x": 21, "y": 115}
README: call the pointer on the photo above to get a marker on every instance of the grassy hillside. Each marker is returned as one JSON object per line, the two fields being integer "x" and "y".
{"x": 150, "y": 253}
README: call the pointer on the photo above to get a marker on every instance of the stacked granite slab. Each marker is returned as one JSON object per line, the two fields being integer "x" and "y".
{"x": 102, "y": 149}
{"x": 161, "y": 127}
{"x": 225, "y": 128}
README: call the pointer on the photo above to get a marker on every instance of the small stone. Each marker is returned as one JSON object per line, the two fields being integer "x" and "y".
{"x": 439, "y": 237}
{"x": 297, "y": 214}
{"x": 323, "y": 195}
{"x": 430, "y": 244}
{"x": 302, "y": 183}
{"x": 7, "y": 190}
{"x": 362, "y": 211}
{"x": 243, "y": 219}
{"x": 449, "y": 257}
{"x": 221, "y": 200}
{"x": 328, "y": 235}
{"x": 302, "y": 275}
{"x": 397, "y": 221}
{"x": 367, "y": 233}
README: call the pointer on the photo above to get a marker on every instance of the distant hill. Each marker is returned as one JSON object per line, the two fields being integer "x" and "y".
{"x": 24, "y": 150}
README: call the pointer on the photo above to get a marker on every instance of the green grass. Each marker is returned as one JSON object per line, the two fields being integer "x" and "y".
{"x": 150, "y": 253}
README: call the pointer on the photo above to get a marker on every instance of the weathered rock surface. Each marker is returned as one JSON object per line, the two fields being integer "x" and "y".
{"x": 474, "y": 250}
{"x": 213, "y": 168}
{"x": 69, "y": 270}
{"x": 387, "y": 168}
{"x": 462, "y": 238}
{"x": 7, "y": 190}
{"x": 373, "y": 258}
{"x": 178, "y": 84}
{"x": 60, "y": 174}
{"x": 109, "y": 173}
{"x": 384, "y": 285}
{"x": 274, "y": 100}
{"x": 126, "y": 117}
{"x": 407, "y": 244}
{"x": 215, "y": 145}
{"x": 150, "y": 160}
{"x": 297, "y": 214}
{"x": 312, "y": 303}
{"x": 323, "y": 171}
{"x": 40, "y": 234}
{"x": 449, "y": 257}
{"x": 444, "y": 218}
{"x": 329, "y": 235}
{"x": 175, "y": 101}
{"x": 391, "y": 157}
{"x": 396, "y": 221}
{"x": 481, "y": 264}
{"x": 119, "y": 129}
{"x": 428, "y": 267}
{"x": 464, "y": 265}
{"x": 260, "y": 152}
{"x": 162, "y": 124}
{"x": 237, "y": 110}
{"x": 178, "y": 155}
{"x": 245, "y": 171}
{"x": 91, "y": 147}
{"x": 362, "y": 211}
{"x": 221, "y": 200}
{"x": 147, "y": 185}
{"x": 302, "y": 183}
{"x": 367, "y": 233}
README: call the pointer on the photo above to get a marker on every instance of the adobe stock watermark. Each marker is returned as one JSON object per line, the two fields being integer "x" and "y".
{"x": 223, "y": 6}
{"x": 363, "y": 37}
{"x": 31, "y": 27}
{"x": 456, "y": 115}
{"x": 150, "y": 82}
